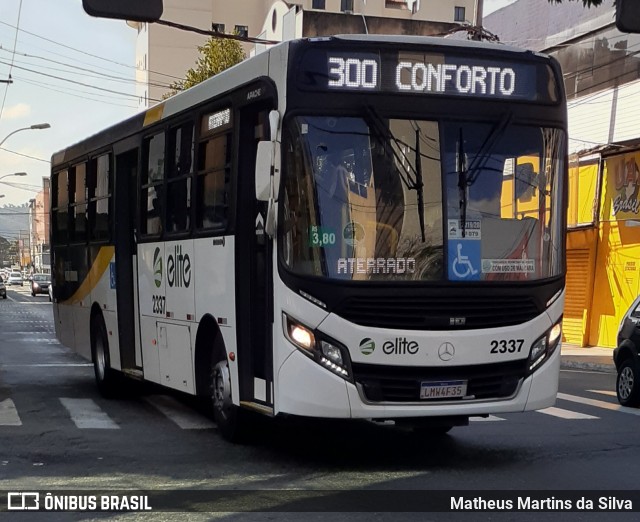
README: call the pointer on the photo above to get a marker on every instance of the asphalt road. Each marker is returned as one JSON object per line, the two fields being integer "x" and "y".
{"x": 57, "y": 433}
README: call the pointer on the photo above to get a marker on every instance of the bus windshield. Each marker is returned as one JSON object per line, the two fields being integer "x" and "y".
{"x": 380, "y": 199}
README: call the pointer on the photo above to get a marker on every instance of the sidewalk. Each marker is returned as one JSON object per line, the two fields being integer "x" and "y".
{"x": 594, "y": 358}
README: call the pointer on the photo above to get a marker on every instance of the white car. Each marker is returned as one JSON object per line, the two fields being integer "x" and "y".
{"x": 15, "y": 278}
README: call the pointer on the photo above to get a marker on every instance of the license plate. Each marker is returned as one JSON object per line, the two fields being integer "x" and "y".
{"x": 443, "y": 389}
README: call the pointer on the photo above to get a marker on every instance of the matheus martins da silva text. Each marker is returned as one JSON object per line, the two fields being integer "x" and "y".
{"x": 605, "y": 503}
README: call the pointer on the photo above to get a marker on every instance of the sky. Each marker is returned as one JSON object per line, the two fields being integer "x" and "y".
{"x": 490, "y": 6}
{"x": 61, "y": 73}
{"x": 63, "y": 68}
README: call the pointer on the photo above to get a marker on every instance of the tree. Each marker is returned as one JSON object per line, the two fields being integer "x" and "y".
{"x": 216, "y": 55}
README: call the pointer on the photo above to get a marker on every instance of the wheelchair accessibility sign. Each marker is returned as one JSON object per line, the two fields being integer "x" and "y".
{"x": 465, "y": 260}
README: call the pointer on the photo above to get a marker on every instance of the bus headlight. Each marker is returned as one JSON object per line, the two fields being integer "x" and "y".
{"x": 323, "y": 350}
{"x": 545, "y": 346}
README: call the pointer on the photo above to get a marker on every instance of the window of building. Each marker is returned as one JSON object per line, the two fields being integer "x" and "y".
{"x": 218, "y": 28}
{"x": 396, "y": 4}
{"x": 346, "y": 6}
{"x": 318, "y": 4}
{"x": 458, "y": 14}
{"x": 242, "y": 30}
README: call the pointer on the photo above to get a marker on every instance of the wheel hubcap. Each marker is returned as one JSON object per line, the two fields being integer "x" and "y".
{"x": 625, "y": 383}
{"x": 222, "y": 389}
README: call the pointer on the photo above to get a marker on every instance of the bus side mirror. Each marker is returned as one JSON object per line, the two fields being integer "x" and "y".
{"x": 628, "y": 16}
{"x": 264, "y": 163}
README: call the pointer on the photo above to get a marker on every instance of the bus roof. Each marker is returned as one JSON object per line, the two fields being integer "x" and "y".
{"x": 439, "y": 41}
{"x": 244, "y": 72}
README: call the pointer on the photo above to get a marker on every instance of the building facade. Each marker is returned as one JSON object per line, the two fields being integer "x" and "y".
{"x": 39, "y": 248}
{"x": 164, "y": 54}
{"x": 602, "y": 78}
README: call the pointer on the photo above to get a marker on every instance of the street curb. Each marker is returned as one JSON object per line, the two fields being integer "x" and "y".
{"x": 594, "y": 367}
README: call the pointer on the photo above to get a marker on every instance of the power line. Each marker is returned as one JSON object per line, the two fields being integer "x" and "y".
{"x": 215, "y": 34}
{"x": 94, "y": 73}
{"x": 15, "y": 41}
{"x": 77, "y": 82}
{"x": 49, "y": 87}
{"x": 85, "y": 52}
{"x": 24, "y": 155}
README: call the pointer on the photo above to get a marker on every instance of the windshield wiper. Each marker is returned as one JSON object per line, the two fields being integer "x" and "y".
{"x": 419, "y": 185}
{"x": 482, "y": 156}
{"x": 461, "y": 169}
{"x": 468, "y": 176}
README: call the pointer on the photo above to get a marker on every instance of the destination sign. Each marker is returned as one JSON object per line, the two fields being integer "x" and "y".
{"x": 427, "y": 73}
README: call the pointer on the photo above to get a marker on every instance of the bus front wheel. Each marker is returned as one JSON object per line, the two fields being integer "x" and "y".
{"x": 106, "y": 378}
{"x": 230, "y": 419}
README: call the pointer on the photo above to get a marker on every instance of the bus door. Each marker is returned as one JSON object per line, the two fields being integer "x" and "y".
{"x": 254, "y": 303}
{"x": 126, "y": 170}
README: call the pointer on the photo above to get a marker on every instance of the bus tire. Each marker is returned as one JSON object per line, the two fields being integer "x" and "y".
{"x": 231, "y": 420}
{"x": 106, "y": 378}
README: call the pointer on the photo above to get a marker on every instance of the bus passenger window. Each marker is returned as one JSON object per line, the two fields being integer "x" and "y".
{"x": 152, "y": 223}
{"x": 179, "y": 205}
{"x": 98, "y": 190}
{"x": 152, "y": 185}
{"x": 180, "y": 162}
{"x": 212, "y": 206}
{"x": 60, "y": 202}
{"x": 78, "y": 210}
{"x": 179, "y": 172}
{"x": 211, "y": 186}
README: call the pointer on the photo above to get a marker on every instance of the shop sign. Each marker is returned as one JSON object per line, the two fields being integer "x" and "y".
{"x": 626, "y": 175}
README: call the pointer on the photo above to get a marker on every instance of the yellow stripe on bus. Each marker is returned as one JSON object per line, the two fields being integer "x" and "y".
{"x": 153, "y": 114}
{"x": 98, "y": 268}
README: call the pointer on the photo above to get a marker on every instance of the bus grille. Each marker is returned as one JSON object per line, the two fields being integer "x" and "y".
{"x": 438, "y": 313}
{"x": 402, "y": 384}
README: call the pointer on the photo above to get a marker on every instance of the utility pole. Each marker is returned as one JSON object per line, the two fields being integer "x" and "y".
{"x": 477, "y": 20}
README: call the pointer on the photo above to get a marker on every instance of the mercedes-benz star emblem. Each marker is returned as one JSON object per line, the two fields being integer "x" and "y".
{"x": 446, "y": 351}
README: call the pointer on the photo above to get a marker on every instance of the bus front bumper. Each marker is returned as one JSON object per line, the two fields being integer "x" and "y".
{"x": 307, "y": 389}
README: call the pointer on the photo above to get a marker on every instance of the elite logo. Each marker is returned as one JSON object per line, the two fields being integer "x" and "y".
{"x": 400, "y": 346}
{"x": 157, "y": 268}
{"x": 367, "y": 346}
{"x": 178, "y": 268}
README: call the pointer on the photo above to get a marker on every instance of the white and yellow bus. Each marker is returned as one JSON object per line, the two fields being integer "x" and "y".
{"x": 344, "y": 227}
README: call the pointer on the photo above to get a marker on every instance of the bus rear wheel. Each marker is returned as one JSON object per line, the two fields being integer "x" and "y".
{"x": 106, "y": 378}
{"x": 230, "y": 419}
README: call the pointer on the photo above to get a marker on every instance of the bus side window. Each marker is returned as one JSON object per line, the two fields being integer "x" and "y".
{"x": 77, "y": 203}
{"x": 60, "y": 212}
{"x": 212, "y": 182}
{"x": 152, "y": 185}
{"x": 98, "y": 190}
{"x": 179, "y": 172}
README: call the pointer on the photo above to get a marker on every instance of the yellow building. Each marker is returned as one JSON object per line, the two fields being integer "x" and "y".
{"x": 603, "y": 246}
